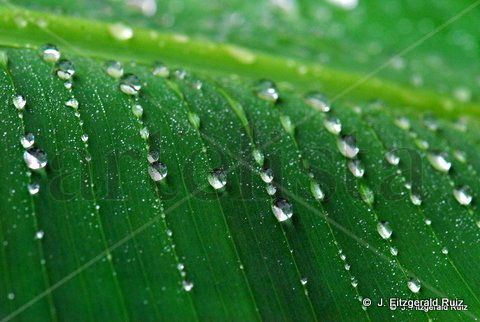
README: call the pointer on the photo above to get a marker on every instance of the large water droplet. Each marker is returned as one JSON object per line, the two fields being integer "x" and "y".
{"x": 439, "y": 161}
{"x": 317, "y": 192}
{"x": 282, "y": 209}
{"x": 114, "y": 68}
{"x": 392, "y": 158}
{"x": 463, "y": 195}
{"x": 50, "y": 53}
{"x": 161, "y": 70}
{"x": 333, "y": 125}
{"x": 65, "y": 69}
{"x": 33, "y": 188}
{"x": 414, "y": 285}
{"x": 120, "y": 31}
{"x": 35, "y": 158}
{"x": 28, "y": 140}
{"x": 347, "y": 145}
{"x": 217, "y": 178}
{"x": 356, "y": 168}
{"x": 19, "y": 102}
{"x": 318, "y": 101}
{"x": 384, "y": 229}
{"x": 130, "y": 84}
{"x": 416, "y": 199}
{"x": 267, "y": 175}
{"x": 157, "y": 171}
{"x": 258, "y": 157}
{"x": 267, "y": 90}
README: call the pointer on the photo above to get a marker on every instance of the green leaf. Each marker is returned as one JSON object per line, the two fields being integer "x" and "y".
{"x": 202, "y": 190}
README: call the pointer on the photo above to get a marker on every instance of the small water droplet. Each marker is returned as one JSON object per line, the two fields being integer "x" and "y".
{"x": 422, "y": 144}
{"x": 287, "y": 124}
{"x": 416, "y": 199}
{"x": 144, "y": 133}
{"x": 130, "y": 84}
{"x": 282, "y": 209}
{"x": 354, "y": 283}
{"x": 304, "y": 281}
{"x": 120, "y": 31}
{"x": 65, "y": 69}
{"x": 356, "y": 168}
{"x": 28, "y": 140}
{"x": 316, "y": 191}
{"x": 68, "y": 84}
{"x": 197, "y": 85}
{"x": 217, "y": 178}
{"x": 187, "y": 286}
{"x": 50, "y": 53}
{"x": 267, "y": 175}
{"x": 318, "y": 101}
{"x": 431, "y": 124}
{"x": 39, "y": 234}
{"x": 463, "y": 195}
{"x": 393, "y": 250}
{"x": 347, "y": 145}
{"x": 11, "y": 296}
{"x": 403, "y": 123}
{"x": 445, "y": 250}
{"x": 392, "y": 158}
{"x": 114, "y": 68}
{"x": 439, "y": 161}
{"x": 258, "y": 157}
{"x": 267, "y": 90}
{"x": 367, "y": 194}
{"x": 73, "y": 103}
{"x": 137, "y": 110}
{"x": 160, "y": 70}
{"x": 428, "y": 222}
{"x": 180, "y": 266}
{"x": 271, "y": 189}
{"x": 33, "y": 188}
{"x": 84, "y": 137}
{"x": 333, "y": 125}
{"x": 414, "y": 285}
{"x": 35, "y": 158}
{"x": 180, "y": 73}
{"x": 157, "y": 171}
{"x": 384, "y": 229}
{"x": 153, "y": 156}
{"x": 19, "y": 102}
{"x": 460, "y": 156}
{"x": 194, "y": 120}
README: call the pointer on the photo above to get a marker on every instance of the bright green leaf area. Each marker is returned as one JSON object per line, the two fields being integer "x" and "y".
{"x": 101, "y": 240}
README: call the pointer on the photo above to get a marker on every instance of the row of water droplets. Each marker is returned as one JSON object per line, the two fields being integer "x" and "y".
{"x": 268, "y": 91}
{"x": 131, "y": 85}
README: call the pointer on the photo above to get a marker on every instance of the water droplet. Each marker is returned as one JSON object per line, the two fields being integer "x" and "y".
{"x": 318, "y": 101}
{"x": 460, "y": 156}
{"x": 267, "y": 175}
{"x": 194, "y": 120}
{"x": 180, "y": 266}
{"x": 354, "y": 283}
{"x": 73, "y": 103}
{"x": 463, "y": 195}
{"x": 187, "y": 286}
{"x": 65, "y": 69}
{"x": 144, "y": 133}
{"x": 287, "y": 124}
{"x": 333, "y": 125}
{"x": 217, "y": 178}
{"x": 180, "y": 74}
{"x": 367, "y": 194}
{"x": 33, "y": 188}
{"x": 345, "y": 4}
{"x": 161, "y": 70}
{"x": 68, "y": 84}
{"x": 347, "y": 267}
{"x": 445, "y": 250}
{"x": 431, "y": 124}
{"x": 304, "y": 281}
{"x": 356, "y": 168}
{"x": 347, "y": 145}
{"x": 422, "y": 144}
{"x": 282, "y": 209}
{"x": 416, "y": 199}
{"x": 271, "y": 189}
{"x": 258, "y": 157}
{"x": 28, "y": 140}
{"x": 130, "y": 84}
{"x": 403, "y": 123}
{"x": 137, "y": 110}
{"x": 414, "y": 285}
{"x": 84, "y": 137}
{"x": 384, "y": 229}
{"x": 197, "y": 85}
{"x": 35, "y": 158}
{"x": 157, "y": 171}
{"x": 19, "y": 102}
{"x": 439, "y": 161}
{"x": 153, "y": 156}
{"x": 39, "y": 234}
{"x": 317, "y": 192}
{"x": 50, "y": 53}
{"x": 11, "y": 296}
{"x": 267, "y": 90}
{"x": 392, "y": 158}
{"x": 394, "y": 251}
{"x": 120, "y": 31}
{"x": 114, "y": 68}
{"x": 428, "y": 222}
